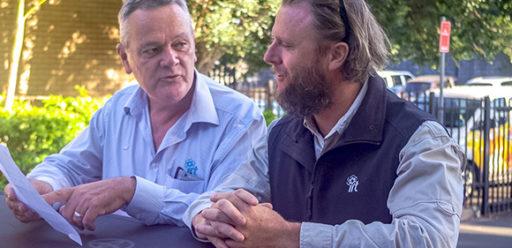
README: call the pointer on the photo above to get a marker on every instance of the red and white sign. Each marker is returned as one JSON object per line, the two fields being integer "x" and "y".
{"x": 444, "y": 41}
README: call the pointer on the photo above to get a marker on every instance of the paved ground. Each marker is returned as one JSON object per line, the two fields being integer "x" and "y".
{"x": 488, "y": 232}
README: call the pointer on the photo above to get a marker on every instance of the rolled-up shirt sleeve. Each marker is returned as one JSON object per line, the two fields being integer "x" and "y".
{"x": 425, "y": 200}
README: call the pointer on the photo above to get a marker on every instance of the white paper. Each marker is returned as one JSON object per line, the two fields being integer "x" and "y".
{"x": 27, "y": 194}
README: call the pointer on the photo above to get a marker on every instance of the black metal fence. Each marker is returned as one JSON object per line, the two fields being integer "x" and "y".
{"x": 262, "y": 92}
{"x": 482, "y": 127}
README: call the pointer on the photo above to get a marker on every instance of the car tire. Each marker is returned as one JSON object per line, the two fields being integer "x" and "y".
{"x": 471, "y": 177}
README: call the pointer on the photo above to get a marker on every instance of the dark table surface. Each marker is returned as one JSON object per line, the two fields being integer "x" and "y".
{"x": 112, "y": 231}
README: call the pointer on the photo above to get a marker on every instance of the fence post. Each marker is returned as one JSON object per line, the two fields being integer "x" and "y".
{"x": 485, "y": 169}
{"x": 232, "y": 72}
{"x": 431, "y": 99}
{"x": 268, "y": 94}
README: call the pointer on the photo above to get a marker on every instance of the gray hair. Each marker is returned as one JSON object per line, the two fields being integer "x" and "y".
{"x": 130, "y": 6}
{"x": 367, "y": 41}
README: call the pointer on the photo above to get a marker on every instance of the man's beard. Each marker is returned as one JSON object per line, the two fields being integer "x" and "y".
{"x": 307, "y": 92}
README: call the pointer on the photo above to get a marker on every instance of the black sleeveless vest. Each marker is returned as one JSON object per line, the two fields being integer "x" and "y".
{"x": 352, "y": 180}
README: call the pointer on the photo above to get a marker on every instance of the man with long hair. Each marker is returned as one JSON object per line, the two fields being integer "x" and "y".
{"x": 351, "y": 164}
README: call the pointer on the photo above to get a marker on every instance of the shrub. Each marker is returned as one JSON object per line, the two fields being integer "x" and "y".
{"x": 34, "y": 131}
{"x": 269, "y": 116}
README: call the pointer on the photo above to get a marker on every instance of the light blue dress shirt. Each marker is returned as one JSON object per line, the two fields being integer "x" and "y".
{"x": 207, "y": 143}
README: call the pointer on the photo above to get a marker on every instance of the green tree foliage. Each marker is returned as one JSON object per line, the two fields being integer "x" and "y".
{"x": 33, "y": 131}
{"x": 232, "y": 30}
{"x": 480, "y": 28}
{"x": 68, "y": 42}
{"x": 269, "y": 116}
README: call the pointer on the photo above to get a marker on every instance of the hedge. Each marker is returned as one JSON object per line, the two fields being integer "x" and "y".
{"x": 34, "y": 130}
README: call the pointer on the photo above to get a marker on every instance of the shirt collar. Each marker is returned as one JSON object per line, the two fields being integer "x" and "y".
{"x": 202, "y": 107}
{"x": 342, "y": 123}
{"x": 136, "y": 102}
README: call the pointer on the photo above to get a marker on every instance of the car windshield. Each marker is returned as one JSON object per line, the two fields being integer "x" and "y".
{"x": 479, "y": 84}
{"x": 459, "y": 110}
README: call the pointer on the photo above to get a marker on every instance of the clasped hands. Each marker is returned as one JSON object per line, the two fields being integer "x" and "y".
{"x": 238, "y": 220}
{"x": 82, "y": 203}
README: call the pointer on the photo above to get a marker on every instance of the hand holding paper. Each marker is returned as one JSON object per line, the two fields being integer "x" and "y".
{"x": 21, "y": 211}
{"x": 26, "y": 193}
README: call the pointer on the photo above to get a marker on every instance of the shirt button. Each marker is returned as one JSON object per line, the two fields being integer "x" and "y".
{"x": 153, "y": 165}
{"x": 125, "y": 147}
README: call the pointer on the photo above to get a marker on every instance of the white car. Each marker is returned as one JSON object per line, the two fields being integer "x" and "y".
{"x": 490, "y": 81}
{"x": 395, "y": 80}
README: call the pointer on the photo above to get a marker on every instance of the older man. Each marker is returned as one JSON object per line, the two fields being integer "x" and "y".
{"x": 351, "y": 165}
{"x": 154, "y": 147}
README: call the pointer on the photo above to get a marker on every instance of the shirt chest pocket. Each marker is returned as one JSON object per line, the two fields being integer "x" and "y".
{"x": 188, "y": 186}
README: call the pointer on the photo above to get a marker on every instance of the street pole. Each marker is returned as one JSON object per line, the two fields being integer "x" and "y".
{"x": 441, "y": 99}
{"x": 444, "y": 47}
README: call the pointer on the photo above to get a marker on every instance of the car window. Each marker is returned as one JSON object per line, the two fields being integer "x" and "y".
{"x": 499, "y": 114}
{"x": 499, "y": 102}
{"x": 459, "y": 110}
{"x": 480, "y": 84}
{"x": 396, "y": 80}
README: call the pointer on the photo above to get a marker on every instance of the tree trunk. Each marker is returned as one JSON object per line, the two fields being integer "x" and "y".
{"x": 206, "y": 58}
{"x": 16, "y": 55}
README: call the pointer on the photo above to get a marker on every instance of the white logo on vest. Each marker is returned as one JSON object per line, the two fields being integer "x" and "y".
{"x": 352, "y": 181}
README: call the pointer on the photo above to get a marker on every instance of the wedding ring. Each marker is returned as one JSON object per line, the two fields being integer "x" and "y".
{"x": 77, "y": 214}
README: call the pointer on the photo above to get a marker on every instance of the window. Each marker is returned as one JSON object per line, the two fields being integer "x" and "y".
{"x": 480, "y": 84}
{"x": 396, "y": 80}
